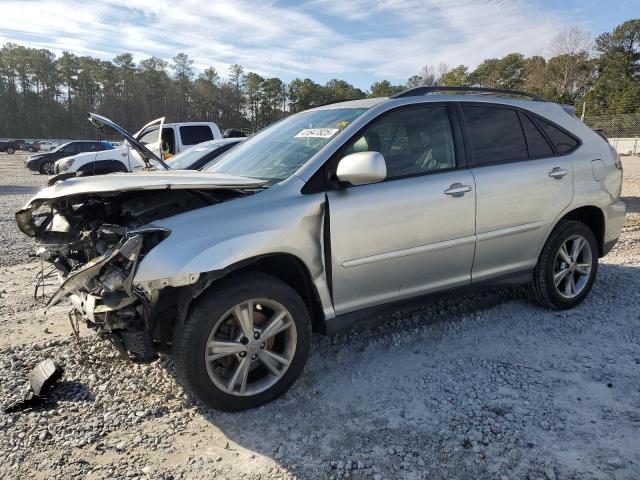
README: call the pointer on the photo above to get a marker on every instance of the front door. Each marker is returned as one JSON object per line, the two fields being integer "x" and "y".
{"x": 412, "y": 233}
{"x": 151, "y": 137}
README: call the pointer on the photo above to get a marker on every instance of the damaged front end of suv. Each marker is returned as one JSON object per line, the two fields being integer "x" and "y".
{"x": 96, "y": 230}
{"x": 96, "y": 240}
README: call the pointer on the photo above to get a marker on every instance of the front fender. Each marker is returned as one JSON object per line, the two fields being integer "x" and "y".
{"x": 216, "y": 237}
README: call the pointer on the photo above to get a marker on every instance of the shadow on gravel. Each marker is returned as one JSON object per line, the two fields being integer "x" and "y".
{"x": 71, "y": 390}
{"x": 18, "y": 190}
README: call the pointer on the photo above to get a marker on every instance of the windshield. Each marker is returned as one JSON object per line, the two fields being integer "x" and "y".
{"x": 278, "y": 151}
{"x": 184, "y": 160}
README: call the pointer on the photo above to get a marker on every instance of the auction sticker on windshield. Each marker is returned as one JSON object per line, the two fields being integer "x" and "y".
{"x": 317, "y": 133}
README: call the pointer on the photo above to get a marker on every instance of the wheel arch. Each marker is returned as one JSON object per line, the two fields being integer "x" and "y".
{"x": 285, "y": 266}
{"x": 592, "y": 217}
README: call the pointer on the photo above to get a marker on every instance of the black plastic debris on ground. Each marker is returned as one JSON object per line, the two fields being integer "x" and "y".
{"x": 41, "y": 379}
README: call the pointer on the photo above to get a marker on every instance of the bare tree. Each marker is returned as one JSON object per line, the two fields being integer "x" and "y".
{"x": 571, "y": 41}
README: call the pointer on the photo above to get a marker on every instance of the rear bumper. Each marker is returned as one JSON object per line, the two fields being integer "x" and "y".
{"x": 614, "y": 219}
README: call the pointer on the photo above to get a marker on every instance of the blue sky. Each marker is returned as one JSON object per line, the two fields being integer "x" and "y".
{"x": 357, "y": 40}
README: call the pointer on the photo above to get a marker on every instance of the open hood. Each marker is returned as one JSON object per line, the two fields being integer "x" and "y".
{"x": 100, "y": 122}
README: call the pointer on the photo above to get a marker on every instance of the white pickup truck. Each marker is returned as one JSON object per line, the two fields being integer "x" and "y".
{"x": 163, "y": 139}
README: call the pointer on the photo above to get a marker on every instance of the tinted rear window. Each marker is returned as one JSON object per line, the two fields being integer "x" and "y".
{"x": 496, "y": 135}
{"x": 194, "y": 134}
{"x": 564, "y": 142}
{"x": 538, "y": 145}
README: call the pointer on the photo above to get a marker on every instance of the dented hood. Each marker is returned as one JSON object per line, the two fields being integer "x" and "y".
{"x": 112, "y": 184}
{"x": 159, "y": 180}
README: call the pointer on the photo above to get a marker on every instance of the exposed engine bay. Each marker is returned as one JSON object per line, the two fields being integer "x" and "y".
{"x": 96, "y": 241}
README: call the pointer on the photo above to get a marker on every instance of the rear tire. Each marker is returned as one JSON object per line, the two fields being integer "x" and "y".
{"x": 567, "y": 266}
{"x": 213, "y": 345}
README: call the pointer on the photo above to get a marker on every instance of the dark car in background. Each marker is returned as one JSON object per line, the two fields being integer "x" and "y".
{"x": 30, "y": 146}
{"x": 44, "y": 162}
{"x": 10, "y": 146}
{"x": 202, "y": 154}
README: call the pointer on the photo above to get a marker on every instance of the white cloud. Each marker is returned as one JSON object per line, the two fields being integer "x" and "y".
{"x": 364, "y": 40}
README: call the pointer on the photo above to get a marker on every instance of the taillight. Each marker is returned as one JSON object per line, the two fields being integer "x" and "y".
{"x": 616, "y": 158}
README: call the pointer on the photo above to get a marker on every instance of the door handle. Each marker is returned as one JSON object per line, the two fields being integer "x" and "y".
{"x": 457, "y": 190}
{"x": 124, "y": 154}
{"x": 558, "y": 173}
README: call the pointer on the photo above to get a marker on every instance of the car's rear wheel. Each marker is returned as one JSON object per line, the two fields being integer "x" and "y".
{"x": 46, "y": 168}
{"x": 567, "y": 266}
{"x": 244, "y": 343}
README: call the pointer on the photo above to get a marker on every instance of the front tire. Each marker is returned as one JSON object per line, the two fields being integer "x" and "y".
{"x": 46, "y": 168}
{"x": 10, "y": 150}
{"x": 244, "y": 342}
{"x": 567, "y": 266}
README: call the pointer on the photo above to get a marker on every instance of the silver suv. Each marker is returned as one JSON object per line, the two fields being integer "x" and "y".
{"x": 324, "y": 218}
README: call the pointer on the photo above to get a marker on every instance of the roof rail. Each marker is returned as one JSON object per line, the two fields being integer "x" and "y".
{"x": 414, "y": 92}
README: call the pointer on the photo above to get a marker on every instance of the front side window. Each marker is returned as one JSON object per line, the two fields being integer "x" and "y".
{"x": 495, "y": 133}
{"x": 276, "y": 152}
{"x": 413, "y": 141}
{"x": 194, "y": 134}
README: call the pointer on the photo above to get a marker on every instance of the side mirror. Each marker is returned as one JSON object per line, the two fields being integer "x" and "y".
{"x": 362, "y": 168}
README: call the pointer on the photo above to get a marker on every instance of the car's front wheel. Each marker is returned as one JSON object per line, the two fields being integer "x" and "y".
{"x": 244, "y": 343}
{"x": 10, "y": 150}
{"x": 567, "y": 266}
{"x": 46, "y": 168}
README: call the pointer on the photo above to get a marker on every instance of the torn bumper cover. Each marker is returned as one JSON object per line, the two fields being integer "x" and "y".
{"x": 102, "y": 292}
{"x": 122, "y": 259}
{"x": 96, "y": 231}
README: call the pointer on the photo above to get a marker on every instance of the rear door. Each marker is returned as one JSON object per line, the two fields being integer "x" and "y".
{"x": 412, "y": 233}
{"x": 522, "y": 185}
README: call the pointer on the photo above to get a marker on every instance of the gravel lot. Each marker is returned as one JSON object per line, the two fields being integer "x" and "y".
{"x": 482, "y": 387}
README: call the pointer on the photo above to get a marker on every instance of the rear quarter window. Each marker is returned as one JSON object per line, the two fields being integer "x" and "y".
{"x": 538, "y": 145}
{"x": 563, "y": 141}
{"x": 194, "y": 134}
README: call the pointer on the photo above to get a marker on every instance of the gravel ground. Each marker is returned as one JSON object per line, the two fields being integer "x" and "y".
{"x": 483, "y": 387}
{"x": 17, "y": 186}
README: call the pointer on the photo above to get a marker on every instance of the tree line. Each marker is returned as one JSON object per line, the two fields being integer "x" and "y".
{"x": 42, "y": 95}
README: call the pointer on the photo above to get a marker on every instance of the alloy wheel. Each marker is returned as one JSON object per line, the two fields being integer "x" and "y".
{"x": 572, "y": 266}
{"x": 48, "y": 168}
{"x": 251, "y": 347}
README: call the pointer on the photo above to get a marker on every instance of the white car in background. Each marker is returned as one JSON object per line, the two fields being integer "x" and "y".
{"x": 164, "y": 140}
{"x": 46, "y": 146}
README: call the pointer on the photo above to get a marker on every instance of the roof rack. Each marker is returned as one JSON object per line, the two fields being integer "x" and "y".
{"x": 414, "y": 92}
